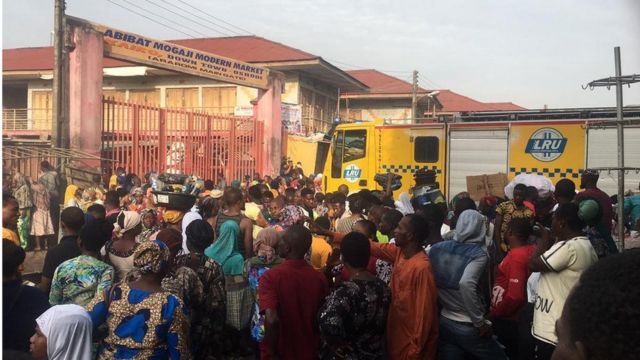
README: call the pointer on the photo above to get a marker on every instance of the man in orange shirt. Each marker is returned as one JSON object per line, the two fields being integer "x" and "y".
{"x": 412, "y": 328}
{"x": 412, "y": 325}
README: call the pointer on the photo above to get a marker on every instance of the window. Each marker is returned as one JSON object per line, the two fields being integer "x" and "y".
{"x": 355, "y": 142}
{"x": 426, "y": 149}
{"x": 336, "y": 155}
{"x": 347, "y": 146}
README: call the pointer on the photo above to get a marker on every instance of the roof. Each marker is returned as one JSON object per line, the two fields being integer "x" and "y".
{"x": 253, "y": 49}
{"x": 454, "y": 102}
{"x": 381, "y": 83}
{"x": 505, "y": 106}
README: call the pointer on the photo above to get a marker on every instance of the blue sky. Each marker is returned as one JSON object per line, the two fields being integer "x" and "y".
{"x": 529, "y": 52}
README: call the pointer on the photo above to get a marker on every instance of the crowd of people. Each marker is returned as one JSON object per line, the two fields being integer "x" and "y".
{"x": 273, "y": 268}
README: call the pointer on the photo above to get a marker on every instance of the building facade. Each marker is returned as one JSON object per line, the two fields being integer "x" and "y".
{"x": 310, "y": 89}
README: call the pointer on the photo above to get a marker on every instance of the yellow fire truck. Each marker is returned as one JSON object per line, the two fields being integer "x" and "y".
{"x": 554, "y": 148}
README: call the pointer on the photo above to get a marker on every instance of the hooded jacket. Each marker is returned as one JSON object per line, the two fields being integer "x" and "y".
{"x": 458, "y": 266}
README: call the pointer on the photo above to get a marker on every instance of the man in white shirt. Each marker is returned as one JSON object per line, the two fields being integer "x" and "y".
{"x": 560, "y": 267}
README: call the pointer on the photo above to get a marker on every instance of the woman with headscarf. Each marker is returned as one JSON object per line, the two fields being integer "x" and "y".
{"x": 22, "y": 193}
{"x": 209, "y": 209}
{"x": 62, "y": 333}
{"x": 150, "y": 226}
{"x": 225, "y": 249}
{"x": 144, "y": 321}
{"x": 209, "y": 316}
{"x": 120, "y": 250}
{"x": 75, "y": 200}
{"x": 180, "y": 281}
{"x": 290, "y": 215}
{"x": 88, "y": 198}
{"x": 138, "y": 203}
{"x": 225, "y": 252}
{"x": 265, "y": 247}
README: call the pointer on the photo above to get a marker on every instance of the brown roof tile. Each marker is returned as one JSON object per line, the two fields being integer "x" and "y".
{"x": 381, "y": 83}
{"x": 245, "y": 48}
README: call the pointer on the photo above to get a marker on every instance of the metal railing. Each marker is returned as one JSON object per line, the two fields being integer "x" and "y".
{"x": 31, "y": 119}
{"x": 141, "y": 138}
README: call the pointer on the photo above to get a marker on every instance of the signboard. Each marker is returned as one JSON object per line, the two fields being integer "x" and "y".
{"x": 124, "y": 45}
{"x": 352, "y": 173}
{"x": 556, "y": 151}
{"x": 546, "y": 144}
{"x": 292, "y": 119}
{"x": 243, "y": 110}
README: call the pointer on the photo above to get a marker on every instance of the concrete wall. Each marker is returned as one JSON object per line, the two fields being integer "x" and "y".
{"x": 388, "y": 109}
{"x": 291, "y": 94}
{"x": 244, "y": 95}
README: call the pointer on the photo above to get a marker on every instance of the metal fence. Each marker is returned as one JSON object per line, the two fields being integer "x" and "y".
{"x": 27, "y": 121}
{"x": 142, "y": 138}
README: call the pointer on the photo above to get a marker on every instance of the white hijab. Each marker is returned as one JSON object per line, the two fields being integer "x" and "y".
{"x": 131, "y": 220}
{"x": 68, "y": 331}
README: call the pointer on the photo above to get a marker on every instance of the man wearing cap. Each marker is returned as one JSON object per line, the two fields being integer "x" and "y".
{"x": 589, "y": 182}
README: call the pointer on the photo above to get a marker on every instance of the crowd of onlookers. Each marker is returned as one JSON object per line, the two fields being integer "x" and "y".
{"x": 274, "y": 268}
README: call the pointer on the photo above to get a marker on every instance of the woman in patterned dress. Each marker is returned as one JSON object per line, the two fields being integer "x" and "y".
{"x": 354, "y": 317}
{"x": 265, "y": 248}
{"x": 144, "y": 321}
{"x": 209, "y": 316}
{"x": 22, "y": 193}
{"x": 41, "y": 223}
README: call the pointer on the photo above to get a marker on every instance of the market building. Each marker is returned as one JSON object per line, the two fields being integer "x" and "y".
{"x": 310, "y": 94}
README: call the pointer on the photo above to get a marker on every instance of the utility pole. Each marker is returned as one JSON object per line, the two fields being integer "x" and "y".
{"x": 60, "y": 121}
{"x": 618, "y": 81}
{"x": 616, "y": 52}
{"x": 414, "y": 96}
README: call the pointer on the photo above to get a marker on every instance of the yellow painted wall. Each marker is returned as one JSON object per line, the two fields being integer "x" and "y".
{"x": 291, "y": 89}
{"x": 244, "y": 95}
{"x": 300, "y": 149}
{"x": 386, "y": 113}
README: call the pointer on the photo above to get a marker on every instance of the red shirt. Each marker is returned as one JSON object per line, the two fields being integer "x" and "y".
{"x": 296, "y": 291}
{"x": 603, "y": 199}
{"x": 510, "y": 289}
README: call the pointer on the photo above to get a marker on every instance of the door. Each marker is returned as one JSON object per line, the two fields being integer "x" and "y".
{"x": 219, "y": 100}
{"x": 149, "y": 97}
{"x": 182, "y": 98}
{"x": 349, "y": 159}
{"x": 475, "y": 152}
{"x": 41, "y": 111}
{"x": 116, "y": 95}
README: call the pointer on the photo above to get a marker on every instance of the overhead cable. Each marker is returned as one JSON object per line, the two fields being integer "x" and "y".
{"x": 151, "y": 19}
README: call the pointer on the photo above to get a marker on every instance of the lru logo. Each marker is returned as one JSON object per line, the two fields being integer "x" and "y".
{"x": 352, "y": 173}
{"x": 546, "y": 144}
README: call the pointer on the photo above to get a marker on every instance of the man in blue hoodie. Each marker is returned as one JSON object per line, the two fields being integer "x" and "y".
{"x": 459, "y": 266}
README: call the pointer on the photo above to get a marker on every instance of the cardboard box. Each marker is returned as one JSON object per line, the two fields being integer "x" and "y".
{"x": 479, "y": 186}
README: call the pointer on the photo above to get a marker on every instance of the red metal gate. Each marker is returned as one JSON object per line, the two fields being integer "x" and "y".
{"x": 143, "y": 138}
